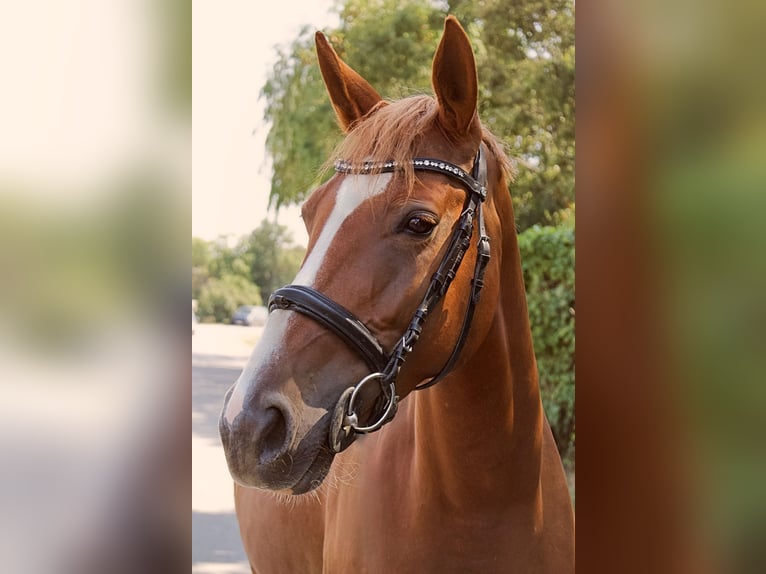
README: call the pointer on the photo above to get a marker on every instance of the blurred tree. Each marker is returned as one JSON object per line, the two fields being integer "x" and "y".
{"x": 302, "y": 131}
{"x": 201, "y": 257}
{"x": 220, "y": 297}
{"x": 525, "y": 58}
{"x": 216, "y": 260}
{"x": 199, "y": 278}
{"x": 525, "y": 53}
{"x": 266, "y": 259}
{"x": 547, "y": 260}
{"x": 273, "y": 259}
{"x": 200, "y": 252}
{"x": 228, "y": 260}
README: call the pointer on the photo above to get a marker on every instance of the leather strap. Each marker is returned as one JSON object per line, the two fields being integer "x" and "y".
{"x": 338, "y": 319}
{"x": 472, "y": 184}
{"x": 477, "y": 282}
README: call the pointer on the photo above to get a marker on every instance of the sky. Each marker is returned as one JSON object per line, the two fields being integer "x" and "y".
{"x": 77, "y": 95}
{"x": 91, "y": 111}
{"x": 233, "y": 52}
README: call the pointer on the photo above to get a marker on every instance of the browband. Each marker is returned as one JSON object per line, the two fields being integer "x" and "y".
{"x": 472, "y": 184}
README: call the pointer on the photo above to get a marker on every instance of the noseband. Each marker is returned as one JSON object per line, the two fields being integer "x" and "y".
{"x": 385, "y": 367}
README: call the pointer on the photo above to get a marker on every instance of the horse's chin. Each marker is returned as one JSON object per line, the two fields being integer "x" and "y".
{"x": 316, "y": 472}
{"x": 304, "y": 480}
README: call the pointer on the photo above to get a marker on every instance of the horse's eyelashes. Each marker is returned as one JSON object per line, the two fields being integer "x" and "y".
{"x": 420, "y": 224}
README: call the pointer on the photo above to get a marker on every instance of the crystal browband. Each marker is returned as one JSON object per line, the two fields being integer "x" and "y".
{"x": 344, "y": 166}
{"x": 421, "y": 163}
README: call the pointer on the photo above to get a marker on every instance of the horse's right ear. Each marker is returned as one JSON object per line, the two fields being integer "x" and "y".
{"x": 351, "y": 95}
{"x": 454, "y": 79}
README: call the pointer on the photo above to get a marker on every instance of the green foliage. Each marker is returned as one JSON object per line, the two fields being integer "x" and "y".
{"x": 525, "y": 55}
{"x": 547, "y": 256}
{"x": 199, "y": 278}
{"x": 303, "y": 130}
{"x": 273, "y": 259}
{"x": 290, "y": 261}
{"x": 525, "y": 59}
{"x": 223, "y": 274}
{"x": 227, "y": 260}
{"x": 391, "y": 42}
{"x": 215, "y": 260}
{"x": 200, "y": 252}
{"x": 219, "y": 298}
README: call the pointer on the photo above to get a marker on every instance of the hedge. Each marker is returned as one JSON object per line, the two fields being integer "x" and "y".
{"x": 547, "y": 258}
{"x": 219, "y": 298}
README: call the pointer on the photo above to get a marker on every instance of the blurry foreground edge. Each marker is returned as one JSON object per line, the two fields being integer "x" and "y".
{"x": 94, "y": 223}
{"x": 671, "y": 138}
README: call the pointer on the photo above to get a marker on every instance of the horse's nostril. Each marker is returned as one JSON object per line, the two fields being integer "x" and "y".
{"x": 274, "y": 434}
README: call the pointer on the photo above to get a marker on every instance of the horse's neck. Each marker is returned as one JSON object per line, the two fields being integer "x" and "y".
{"x": 483, "y": 424}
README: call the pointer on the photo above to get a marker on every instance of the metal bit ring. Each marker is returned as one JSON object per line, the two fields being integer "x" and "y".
{"x": 351, "y": 419}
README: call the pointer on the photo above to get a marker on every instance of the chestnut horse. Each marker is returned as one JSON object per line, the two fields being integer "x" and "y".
{"x": 463, "y": 476}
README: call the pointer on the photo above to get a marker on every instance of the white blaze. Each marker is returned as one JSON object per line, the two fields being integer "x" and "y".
{"x": 354, "y": 191}
{"x": 272, "y": 336}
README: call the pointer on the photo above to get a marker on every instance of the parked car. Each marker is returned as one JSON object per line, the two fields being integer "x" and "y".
{"x": 252, "y": 315}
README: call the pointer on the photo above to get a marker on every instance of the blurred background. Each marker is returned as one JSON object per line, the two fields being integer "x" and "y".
{"x": 671, "y": 277}
{"x": 95, "y": 176}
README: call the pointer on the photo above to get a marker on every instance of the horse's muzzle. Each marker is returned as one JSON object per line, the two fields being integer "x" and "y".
{"x": 257, "y": 446}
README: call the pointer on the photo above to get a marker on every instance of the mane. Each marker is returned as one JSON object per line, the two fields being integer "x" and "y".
{"x": 393, "y": 130}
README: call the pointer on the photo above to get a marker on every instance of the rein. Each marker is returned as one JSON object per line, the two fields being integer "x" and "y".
{"x": 385, "y": 367}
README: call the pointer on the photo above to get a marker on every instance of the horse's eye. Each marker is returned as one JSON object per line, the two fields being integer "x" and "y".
{"x": 420, "y": 224}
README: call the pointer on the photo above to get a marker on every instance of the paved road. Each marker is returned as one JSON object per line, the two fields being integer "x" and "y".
{"x": 218, "y": 354}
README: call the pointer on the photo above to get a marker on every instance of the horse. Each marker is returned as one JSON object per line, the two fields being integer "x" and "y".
{"x": 389, "y": 419}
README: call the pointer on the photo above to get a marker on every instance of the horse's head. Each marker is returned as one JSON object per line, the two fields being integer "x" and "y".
{"x": 376, "y": 238}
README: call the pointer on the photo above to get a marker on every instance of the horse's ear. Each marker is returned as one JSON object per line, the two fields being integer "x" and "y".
{"x": 454, "y": 79}
{"x": 351, "y": 95}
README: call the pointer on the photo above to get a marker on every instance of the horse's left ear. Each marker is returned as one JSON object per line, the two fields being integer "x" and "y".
{"x": 351, "y": 95}
{"x": 454, "y": 79}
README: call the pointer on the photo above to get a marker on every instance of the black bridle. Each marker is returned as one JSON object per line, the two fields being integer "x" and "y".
{"x": 385, "y": 366}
